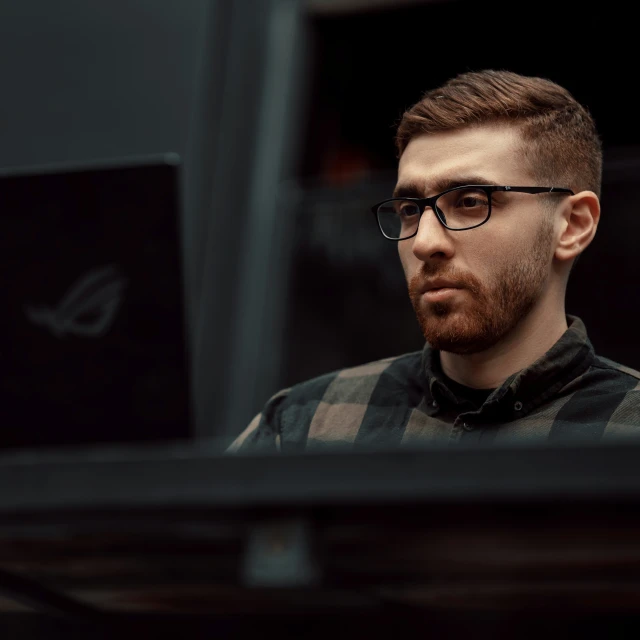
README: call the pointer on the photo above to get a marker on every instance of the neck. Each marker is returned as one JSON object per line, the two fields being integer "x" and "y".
{"x": 527, "y": 342}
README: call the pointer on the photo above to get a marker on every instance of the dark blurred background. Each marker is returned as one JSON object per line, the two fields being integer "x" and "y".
{"x": 283, "y": 113}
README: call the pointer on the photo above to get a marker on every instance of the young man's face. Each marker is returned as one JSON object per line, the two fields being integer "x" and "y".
{"x": 499, "y": 270}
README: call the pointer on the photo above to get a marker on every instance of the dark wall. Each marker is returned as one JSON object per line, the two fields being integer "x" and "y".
{"x": 371, "y": 65}
{"x": 85, "y": 79}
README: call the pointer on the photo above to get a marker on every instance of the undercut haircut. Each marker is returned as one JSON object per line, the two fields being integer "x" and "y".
{"x": 560, "y": 143}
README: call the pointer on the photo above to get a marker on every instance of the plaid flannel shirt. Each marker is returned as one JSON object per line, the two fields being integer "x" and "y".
{"x": 568, "y": 395}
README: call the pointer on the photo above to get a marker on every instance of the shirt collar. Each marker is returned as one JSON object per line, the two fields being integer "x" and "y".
{"x": 568, "y": 358}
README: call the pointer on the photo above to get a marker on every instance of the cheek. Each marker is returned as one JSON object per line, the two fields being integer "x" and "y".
{"x": 507, "y": 239}
{"x": 410, "y": 264}
{"x": 493, "y": 255}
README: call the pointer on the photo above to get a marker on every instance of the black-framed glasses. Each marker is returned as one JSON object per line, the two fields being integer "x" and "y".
{"x": 459, "y": 208}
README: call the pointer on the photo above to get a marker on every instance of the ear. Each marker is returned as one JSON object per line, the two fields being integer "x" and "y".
{"x": 580, "y": 217}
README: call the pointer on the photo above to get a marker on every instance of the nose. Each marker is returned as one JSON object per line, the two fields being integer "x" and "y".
{"x": 433, "y": 239}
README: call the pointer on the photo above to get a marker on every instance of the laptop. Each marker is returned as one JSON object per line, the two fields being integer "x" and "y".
{"x": 92, "y": 343}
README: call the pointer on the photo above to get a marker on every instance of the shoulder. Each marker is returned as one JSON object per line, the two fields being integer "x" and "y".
{"x": 615, "y": 368}
{"x": 613, "y": 398}
{"x": 332, "y": 407}
{"x": 607, "y": 378}
{"x": 349, "y": 384}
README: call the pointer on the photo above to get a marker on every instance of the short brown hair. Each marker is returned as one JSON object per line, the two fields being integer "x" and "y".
{"x": 559, "y": 134}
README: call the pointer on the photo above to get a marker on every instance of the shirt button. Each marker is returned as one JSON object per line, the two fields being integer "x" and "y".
{"x": 518, "y": 406}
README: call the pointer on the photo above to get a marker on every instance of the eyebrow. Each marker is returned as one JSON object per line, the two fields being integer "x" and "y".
{"x": 417, "y": 190}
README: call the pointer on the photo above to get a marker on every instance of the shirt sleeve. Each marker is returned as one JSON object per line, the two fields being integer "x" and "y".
{"x": 263, "y": 433}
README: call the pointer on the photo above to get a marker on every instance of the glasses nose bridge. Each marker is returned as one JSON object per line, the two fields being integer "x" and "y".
{"x": 425, "y": 230}
{"x": 429, "y": 203}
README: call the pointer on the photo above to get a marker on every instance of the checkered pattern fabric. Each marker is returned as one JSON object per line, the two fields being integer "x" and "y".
{"x": 569, "y": 395}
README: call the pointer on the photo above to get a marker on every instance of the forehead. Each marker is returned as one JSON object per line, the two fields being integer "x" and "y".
{"x": 490, "y": 152}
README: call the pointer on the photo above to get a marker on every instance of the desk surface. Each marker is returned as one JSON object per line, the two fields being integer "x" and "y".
{"x": 183, "y": 475}
{"x": 178, "y": 529}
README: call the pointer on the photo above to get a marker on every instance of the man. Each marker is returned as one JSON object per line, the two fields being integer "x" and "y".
{"x": 497, "y": 196}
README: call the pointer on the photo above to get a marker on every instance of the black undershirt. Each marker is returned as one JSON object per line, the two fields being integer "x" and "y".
{"x": 474, "y": 396}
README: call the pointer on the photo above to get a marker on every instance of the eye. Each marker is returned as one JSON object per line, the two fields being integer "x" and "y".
{"x": 471, "y": 199}
{"x": 464, "y": 208}
{"x": 406, "y": 209}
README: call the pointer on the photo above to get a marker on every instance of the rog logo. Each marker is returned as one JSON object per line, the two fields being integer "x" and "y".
{"x": 97, "y": 296}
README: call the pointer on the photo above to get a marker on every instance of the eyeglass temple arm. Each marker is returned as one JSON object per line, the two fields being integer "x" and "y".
{"x": 534, "y": 189}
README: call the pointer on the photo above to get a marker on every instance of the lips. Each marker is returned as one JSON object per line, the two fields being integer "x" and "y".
{"x": 439, "y": 284}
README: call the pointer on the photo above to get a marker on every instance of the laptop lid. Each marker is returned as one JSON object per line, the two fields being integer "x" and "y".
{"x": 92, "y": 341}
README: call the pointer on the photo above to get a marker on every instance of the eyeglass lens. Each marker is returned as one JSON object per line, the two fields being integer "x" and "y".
{"x": 458, "y": 209}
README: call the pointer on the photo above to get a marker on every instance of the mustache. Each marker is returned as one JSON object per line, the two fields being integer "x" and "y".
{"x": 461, "y": 279}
